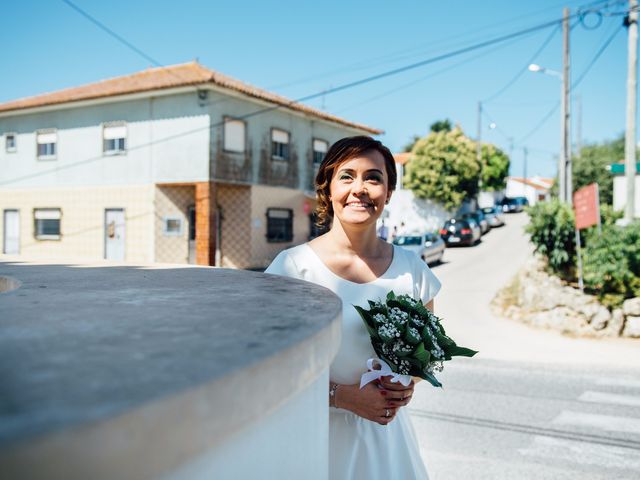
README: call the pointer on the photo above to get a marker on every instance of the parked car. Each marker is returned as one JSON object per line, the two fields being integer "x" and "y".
{"x": 479, "y": 217}
{"x": 460, "y": 231}
{"x": 428, "y": 246}
{"x": 492, "y": 214}
{"x": 513, "y": 205}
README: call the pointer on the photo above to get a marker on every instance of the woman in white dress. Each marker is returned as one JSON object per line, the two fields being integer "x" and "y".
{"x": 370, "y": 433}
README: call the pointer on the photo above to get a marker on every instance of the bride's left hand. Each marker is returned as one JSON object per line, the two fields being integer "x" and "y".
{"x": 398, "y": 395}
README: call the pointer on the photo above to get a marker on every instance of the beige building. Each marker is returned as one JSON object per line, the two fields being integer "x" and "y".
{"x": 178, "y": 164}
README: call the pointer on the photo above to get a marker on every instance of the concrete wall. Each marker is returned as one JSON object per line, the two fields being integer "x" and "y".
{"x": 82, "y": 224}
{"x": 125, "y": 382}
{"x": 620, "y": 193}
{"x": 417, "y": 214}
{"x": 235, "y": 245}
{"x": 167, "y": 141}
{"x": 258, "y": 450}
{"x": 263, "y": 197}
{"x": 172, "y": 201}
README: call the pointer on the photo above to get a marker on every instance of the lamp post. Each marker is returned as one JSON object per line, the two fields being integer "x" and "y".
{"x": 564, "y": 165}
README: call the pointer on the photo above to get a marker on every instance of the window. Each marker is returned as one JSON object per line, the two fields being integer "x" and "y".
{"x": 47, "y": 223}
{"x": 114, "y": 138}
{"x": 46, "y": 140}
{"x": 320, "y": 148}
{"x": 279, "y": 144}
{"x": 10, "y": 142}
{"x": 234, "y": 135}
{"x": 279, "y": 224}
{"x": 172, "y": 226}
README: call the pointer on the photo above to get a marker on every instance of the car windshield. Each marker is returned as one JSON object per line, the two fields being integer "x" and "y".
{"x": 408, "y": 240}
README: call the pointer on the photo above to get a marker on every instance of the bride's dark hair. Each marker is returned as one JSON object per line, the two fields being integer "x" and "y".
{"x": 346, "y": 149}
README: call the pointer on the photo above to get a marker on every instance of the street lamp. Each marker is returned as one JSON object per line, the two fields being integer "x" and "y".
{"x": 564, "y": 167}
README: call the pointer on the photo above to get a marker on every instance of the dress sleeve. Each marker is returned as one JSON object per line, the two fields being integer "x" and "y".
{"x": 427, "y": 284}
{"x": 283, "y": 265}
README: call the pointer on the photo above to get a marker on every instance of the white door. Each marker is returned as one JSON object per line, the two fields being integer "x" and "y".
{"x": 114, "y": 234}
{"x": 11, "y": 244}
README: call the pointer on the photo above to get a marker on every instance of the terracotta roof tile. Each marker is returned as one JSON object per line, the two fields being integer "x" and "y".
{"x": 402, "y": 158}
{"x": 168, "y": 77}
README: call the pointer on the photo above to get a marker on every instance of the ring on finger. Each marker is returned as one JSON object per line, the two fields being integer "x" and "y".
{"x": 387, "y": 413}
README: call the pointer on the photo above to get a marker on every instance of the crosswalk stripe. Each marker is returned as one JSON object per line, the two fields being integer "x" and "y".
{"x": 613, "y": 398}
{"x": 608, "y": 423}
{"x": 582, "y": 453}
{"x": 619, "y": 382}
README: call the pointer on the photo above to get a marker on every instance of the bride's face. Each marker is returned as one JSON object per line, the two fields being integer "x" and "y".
{"x": 359, "y": 189}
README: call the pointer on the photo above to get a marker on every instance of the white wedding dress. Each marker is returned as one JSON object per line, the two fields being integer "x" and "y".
{"x": 360, "y": 449}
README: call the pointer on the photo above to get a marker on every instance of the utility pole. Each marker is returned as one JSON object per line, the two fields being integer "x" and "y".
{"x": 630, "y": 136}
{"x": 566, "y": 185}
{"x": 479, "y": 147}
{"x": 578, "y": 125}
{"x": 524, "y": 153}
{"x": 479, "y": 136}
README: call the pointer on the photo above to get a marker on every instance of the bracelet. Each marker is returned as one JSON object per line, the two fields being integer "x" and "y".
{"x": 333, "y": 387}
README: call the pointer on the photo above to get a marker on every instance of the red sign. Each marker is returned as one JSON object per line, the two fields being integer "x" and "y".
{"x": 586, "y": 203}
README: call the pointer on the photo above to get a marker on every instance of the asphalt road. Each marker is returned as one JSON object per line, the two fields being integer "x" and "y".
{"x": 533, "y": 404}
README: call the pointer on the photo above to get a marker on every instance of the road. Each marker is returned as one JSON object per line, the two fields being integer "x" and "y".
{"x": 533, "y": 404}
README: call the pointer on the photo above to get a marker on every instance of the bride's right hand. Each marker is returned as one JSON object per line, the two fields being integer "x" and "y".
{"x": 368, "y": 402}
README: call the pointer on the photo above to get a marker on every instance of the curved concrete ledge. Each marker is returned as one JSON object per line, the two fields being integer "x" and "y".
{"x": 130, "y": 372}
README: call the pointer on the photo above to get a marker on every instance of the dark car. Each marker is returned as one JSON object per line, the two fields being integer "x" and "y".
{"x": 479, "y": 217}
{"x": 513, "y": 205}
{"x": 460, "y": 231}
{"x": 492, "y": 214}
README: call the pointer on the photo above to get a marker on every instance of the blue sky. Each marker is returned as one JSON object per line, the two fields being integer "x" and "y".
{"x": 297, "y": 48}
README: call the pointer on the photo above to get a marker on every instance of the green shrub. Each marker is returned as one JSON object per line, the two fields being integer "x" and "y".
{"x": 611, "y": 262}
{"x": 552, "y": 230}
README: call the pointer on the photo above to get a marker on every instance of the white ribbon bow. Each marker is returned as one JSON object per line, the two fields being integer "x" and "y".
{"x": 384, "y": 371}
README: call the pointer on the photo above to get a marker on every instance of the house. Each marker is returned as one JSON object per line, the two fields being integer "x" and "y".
{"x": 535, "y": 189}
{"x": 177, "y": 164}
{"x": 620, "y": 187}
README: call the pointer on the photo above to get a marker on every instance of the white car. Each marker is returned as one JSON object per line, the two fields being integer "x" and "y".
{"x": 428, "y": 246}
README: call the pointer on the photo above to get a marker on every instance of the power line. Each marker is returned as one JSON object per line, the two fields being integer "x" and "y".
{"x": 573, "y": 86}
{"x": 524, "y": 69}
{"x": 110, "y": 32}
{"x": 345, "y": 86}
{"x": 423, "y": 78}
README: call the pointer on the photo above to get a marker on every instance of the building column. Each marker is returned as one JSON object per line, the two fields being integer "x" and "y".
{"x": 205, "y": 223}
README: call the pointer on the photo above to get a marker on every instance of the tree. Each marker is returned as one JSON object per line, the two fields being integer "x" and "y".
{"x": 591, "y": 166}
{"x": 495, "y": 167}
{"x": 444, "y": 168}
{"x": 409, "y": 146}
{"x": 441, "y": 126}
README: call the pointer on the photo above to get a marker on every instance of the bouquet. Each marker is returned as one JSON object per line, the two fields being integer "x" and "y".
{"x": 408, "y": 339}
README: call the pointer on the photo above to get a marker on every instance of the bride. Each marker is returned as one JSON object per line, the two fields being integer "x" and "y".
{"x": 370, "y": 433}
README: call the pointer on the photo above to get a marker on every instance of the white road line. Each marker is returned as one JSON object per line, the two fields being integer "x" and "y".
{"x": 608, "y": 423}
{"x": 582, "y": 453}
{"x": 613, "y": 398}
{"x": 619, "y": 382}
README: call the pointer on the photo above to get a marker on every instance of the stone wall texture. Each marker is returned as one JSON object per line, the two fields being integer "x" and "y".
{"x": 542, "y": 300}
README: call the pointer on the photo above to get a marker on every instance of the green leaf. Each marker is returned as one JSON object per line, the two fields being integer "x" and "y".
{"x": 430, "y": 378}
{"x": 422, "y": 354}
{"x": 366, "y": 316}
{"x": 461, "y": 352}
{"x": 391, "y": 296}
{"x": 410, "y": 338}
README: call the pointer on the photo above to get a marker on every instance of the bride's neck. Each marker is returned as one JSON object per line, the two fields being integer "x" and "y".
{"x": 361, "y": 241}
